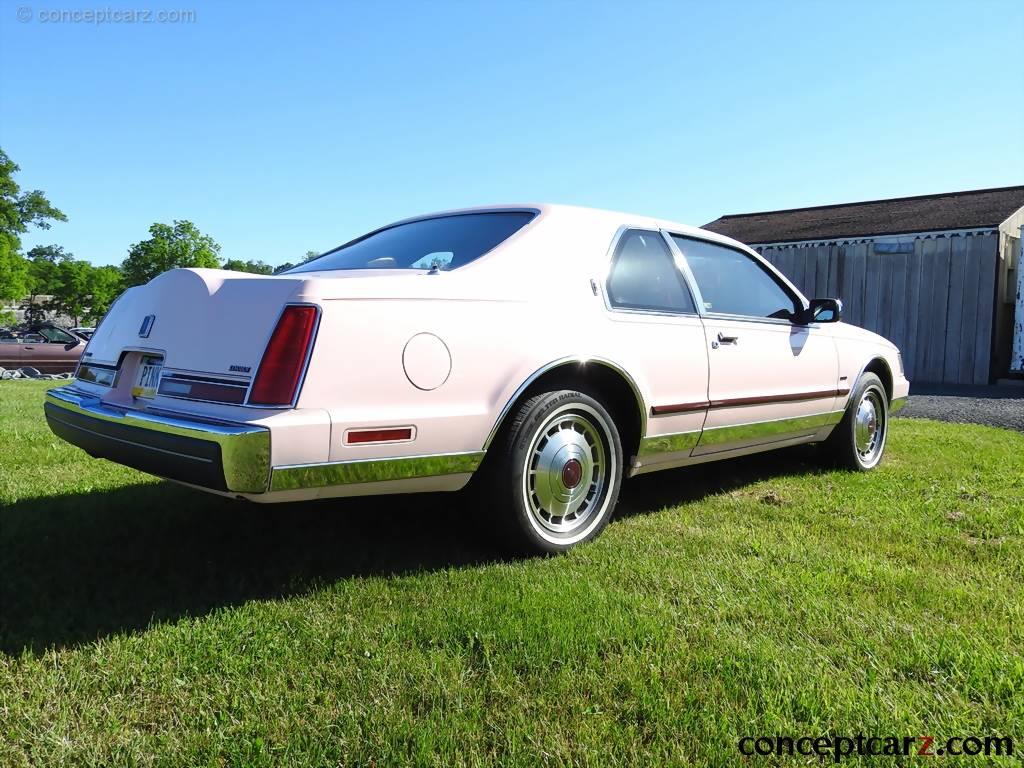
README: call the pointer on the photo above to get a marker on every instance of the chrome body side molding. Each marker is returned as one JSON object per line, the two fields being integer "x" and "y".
{"x": 718, "y": 439}
{"x": 333, "y": 473}
{"x": 677, "y": 450}
{"x": 660, "y": 444}
{"x": 663, "y": 450}
{"x": 728, "y": 453}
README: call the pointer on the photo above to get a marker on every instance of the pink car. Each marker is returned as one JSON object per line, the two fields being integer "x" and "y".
{"x": 548, "y": 351}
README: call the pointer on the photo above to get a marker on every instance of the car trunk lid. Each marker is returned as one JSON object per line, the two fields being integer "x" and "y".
{"x": 205, "y": 321}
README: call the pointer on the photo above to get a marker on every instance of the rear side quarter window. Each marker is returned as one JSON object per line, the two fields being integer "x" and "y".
{"x": 644, "y": 276}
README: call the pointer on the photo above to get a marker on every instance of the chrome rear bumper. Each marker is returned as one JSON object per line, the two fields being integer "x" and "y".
{"x": 220, "y": 456}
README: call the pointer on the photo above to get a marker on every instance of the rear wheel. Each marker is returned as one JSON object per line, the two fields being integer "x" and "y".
{"x": 858, "y": 441}
{"x": 557, "y": 472}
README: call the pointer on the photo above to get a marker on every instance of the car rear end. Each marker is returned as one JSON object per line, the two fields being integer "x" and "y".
{"x": 200, "y": 376}
{"x": 195, "y": 377}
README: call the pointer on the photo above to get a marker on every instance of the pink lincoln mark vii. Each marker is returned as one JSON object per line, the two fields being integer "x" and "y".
{"x": 545, "y": 352}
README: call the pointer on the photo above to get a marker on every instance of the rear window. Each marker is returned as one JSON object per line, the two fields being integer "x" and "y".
{"x": 445, "y": 242}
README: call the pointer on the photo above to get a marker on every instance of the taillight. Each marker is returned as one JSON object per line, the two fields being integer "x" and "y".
{"x": 281, "y": 368}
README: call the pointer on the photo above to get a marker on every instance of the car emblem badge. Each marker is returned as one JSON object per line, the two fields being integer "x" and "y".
{"x": 147, "y": 326}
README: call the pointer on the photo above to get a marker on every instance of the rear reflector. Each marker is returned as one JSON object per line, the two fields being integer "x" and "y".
{"x": 281, "y": 368}
{"x": 354, "y": 436}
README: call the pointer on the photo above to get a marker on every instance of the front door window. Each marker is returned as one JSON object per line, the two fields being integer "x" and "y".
{"x": 733, "y": 283}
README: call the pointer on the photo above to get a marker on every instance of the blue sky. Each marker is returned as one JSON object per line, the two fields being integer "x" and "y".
{"x": 282, "y": 128}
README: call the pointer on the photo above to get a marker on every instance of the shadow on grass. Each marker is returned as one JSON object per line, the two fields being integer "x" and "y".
{"x": 79, "y": 567}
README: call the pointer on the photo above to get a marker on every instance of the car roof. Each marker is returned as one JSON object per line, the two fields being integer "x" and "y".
{"x": 613, "y": 219}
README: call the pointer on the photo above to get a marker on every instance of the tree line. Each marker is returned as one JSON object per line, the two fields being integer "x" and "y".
{"x": 76, "y": 288}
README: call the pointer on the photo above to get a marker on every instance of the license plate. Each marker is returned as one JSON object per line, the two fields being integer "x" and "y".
{"x": 149, "y": 377}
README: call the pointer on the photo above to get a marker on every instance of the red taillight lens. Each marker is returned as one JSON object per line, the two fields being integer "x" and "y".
{"x": 281, "y": 368}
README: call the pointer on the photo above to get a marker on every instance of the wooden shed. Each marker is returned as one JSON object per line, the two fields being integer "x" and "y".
{"x": 936, "y": 274}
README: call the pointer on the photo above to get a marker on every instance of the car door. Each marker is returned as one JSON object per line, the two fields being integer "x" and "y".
{"x": 771, "y": 379}
{"x": 655, "y": 328}
{"x": 10, "y": 352}
{"x": 58, "y": 352}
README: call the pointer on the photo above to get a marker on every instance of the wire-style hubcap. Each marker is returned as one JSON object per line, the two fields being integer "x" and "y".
{"x": 869, "y": 427}
{"x": 566, "y": 472}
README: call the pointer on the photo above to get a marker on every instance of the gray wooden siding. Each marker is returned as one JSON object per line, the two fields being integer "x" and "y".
{"x": 935, "y": 304}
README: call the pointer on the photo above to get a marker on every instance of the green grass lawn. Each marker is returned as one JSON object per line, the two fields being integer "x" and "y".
{"x": 145, "y": 624}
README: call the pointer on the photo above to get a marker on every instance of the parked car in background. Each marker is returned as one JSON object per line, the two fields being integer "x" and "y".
{"x": 547, "y": 351}
{"x": 47, "y": 348}
{"x": 85, "y": 333}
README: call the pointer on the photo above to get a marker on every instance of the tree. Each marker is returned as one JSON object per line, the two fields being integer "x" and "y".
{"x": 105, "y": 285}
{"x": 75, "y": 288}
{"x": 13, "y": 270}
{"x": 255, "y": 267}
{"x": 42, "y": 278}
{"x": 310, "y": 255}
{"x": 18, "y": 211}
{"x": 168, "y": 247}
{"x": 71, "y": 289}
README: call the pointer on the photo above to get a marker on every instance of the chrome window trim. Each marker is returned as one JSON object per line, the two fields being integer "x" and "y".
{"x": 652, "y": 313}
{"x": 768, "y": 267}
{"x": 556, "y": 364}
{"x": 610, "y": 263}
{"x": 245, "y": 449}
{"x": 754, "y": 319}
{"x": 291, "y": 477}
{"x": 684, "y": 268}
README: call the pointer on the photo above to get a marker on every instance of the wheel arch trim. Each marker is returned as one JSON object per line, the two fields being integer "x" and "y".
{"x": 563, "y": 362}
{"x": 867, "y": 364}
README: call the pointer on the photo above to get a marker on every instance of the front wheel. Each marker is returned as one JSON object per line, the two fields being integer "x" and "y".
{"x": 858, "y": 441}
{"x": 557, "y": 472}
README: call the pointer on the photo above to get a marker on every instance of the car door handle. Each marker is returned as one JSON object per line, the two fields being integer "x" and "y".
{"x": 723, "y": 339}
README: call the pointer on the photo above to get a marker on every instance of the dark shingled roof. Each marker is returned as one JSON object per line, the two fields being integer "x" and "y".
{"x": 977, "y": 208}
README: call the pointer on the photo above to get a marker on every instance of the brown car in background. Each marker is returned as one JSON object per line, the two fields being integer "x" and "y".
{"x": 46, "y": 348}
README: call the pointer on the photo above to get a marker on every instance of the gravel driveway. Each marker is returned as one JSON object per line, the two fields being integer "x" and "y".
{"x": 995, "y": 409}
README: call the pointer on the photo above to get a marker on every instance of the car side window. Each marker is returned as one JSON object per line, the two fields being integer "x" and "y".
{"x": 644, "y": 275}
{"x": 733, "y": 283}
{"x": 56, "y": 336}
